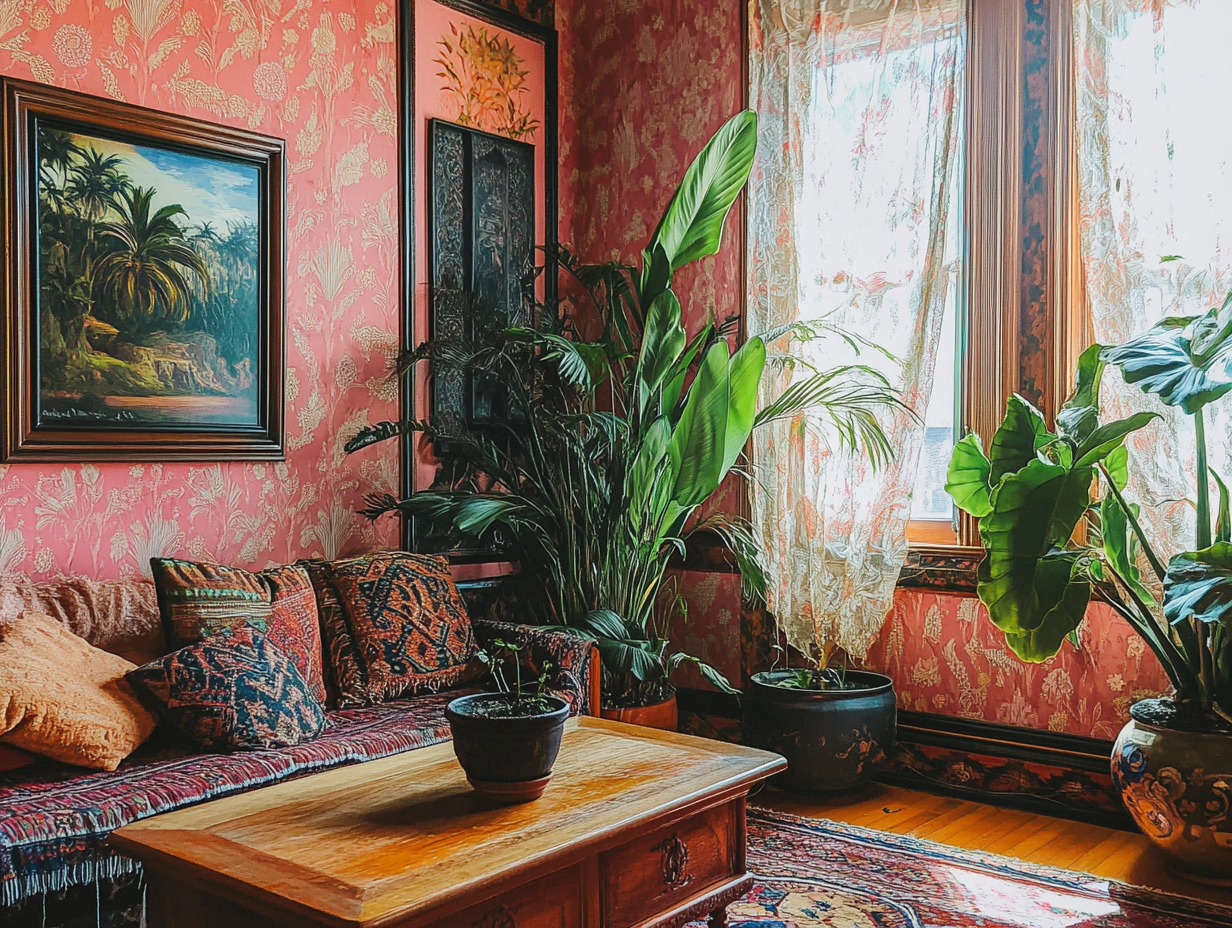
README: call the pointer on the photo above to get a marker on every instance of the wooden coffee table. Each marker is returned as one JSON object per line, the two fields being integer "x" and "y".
{"x": 638, "y": 828}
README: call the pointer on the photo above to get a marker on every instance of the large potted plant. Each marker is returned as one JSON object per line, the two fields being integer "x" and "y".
{"x": 1058, "y": 528}
{"x": 622, "y": 426}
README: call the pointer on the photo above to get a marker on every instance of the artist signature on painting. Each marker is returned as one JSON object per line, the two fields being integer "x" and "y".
{"x": 118, "y": 415}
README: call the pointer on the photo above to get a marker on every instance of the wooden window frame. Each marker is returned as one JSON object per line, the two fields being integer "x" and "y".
{"x": 1025, "y": 310}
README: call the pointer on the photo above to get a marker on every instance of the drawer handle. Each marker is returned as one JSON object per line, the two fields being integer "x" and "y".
{"x": 499, "y": 917}
{"x": 674, "y": 861}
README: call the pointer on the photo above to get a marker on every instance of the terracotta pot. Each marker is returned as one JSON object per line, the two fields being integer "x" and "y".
{"x": 833, "y": 740}
{"x": 658, "y": 715}
{"x": 1177, "y": 785}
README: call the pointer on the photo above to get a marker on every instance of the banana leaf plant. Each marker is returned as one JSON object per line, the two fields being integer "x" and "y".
{"x": 1057, "y": 526}
{"x": 621, "y": 439}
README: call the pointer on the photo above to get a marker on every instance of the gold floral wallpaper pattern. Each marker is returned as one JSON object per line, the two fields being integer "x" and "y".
{"x": 322, "y": 75}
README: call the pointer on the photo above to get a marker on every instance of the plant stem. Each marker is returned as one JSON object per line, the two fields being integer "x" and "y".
{"x": 1204, "y": 542}
{"x": 1151, "y": 556}
{"x": 1204, "y": 480}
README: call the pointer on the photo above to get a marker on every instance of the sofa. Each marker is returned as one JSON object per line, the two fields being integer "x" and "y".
{"x": 55, "y": 865}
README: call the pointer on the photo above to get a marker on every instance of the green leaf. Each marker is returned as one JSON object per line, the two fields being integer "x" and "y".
{"x": 967, "y": 477}
{"x": 605, "y": 623}
{"x": 1107, "y": 438}
{"x": 382, "y": 431}
{"x": 1118, "y": 546}
{"x": 1187, "y": 367}
{"x": 1063, "y": 592}
{"x": 1117, "y": 464}
{"x": 1080, "y": 414}
{"x": 712, "y": 676}
{"x": 662, "y": 343}
{"x": 1034, "y": 510}
{"x": 1020, "y": 435}
{"x": 1199, "y": 586}
{"x": 1223, "y": 523}
{"x": 744, "y": 378}
{"x": 651, "y": 469}
{"x": 699, "y": 441}
{"x": 656, "y": 274}
{"x": 692, "y": 226}
{"x": 632, "y": 657}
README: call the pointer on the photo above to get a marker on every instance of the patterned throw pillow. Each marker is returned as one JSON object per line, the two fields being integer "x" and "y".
{"x": 201, "y": 600}
{"x": 233, "y": 691}
{"x": 394, "y": 625}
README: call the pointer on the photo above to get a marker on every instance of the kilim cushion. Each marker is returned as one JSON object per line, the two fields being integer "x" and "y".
{"x": 394, "y": 625}
{"x": 233, "y": 691}
{"x": 201, "y": 600}
{"x": 65, "y": 699}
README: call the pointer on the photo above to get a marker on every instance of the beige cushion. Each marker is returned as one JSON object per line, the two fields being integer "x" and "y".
{"x": 65, "y": 699}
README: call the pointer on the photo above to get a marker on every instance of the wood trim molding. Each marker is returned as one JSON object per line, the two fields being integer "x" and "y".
{"x": 994, "y": 170}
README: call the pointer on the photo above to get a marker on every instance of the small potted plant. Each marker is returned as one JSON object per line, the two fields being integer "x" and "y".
{"x": 507, "y": 741}
{"x": 1059, "y": 527}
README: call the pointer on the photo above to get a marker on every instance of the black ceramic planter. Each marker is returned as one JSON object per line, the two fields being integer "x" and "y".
{"x": 506, "y": 759}
{"x": 833, "y": 739}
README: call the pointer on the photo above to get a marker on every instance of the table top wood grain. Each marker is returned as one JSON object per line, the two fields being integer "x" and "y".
{"x": 384, "y": 841}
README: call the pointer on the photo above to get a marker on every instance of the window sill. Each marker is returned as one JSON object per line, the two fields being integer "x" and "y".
{"x": 945, "y": 568}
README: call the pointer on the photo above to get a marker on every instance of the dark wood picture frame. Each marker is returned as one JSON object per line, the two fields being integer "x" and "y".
{"x": 26, "y": 438}
{"x": 408, "y": 116}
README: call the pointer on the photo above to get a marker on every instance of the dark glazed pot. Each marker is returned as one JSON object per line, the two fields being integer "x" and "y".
{"x": 1177, "y": 785}
{"x": 833, "y": 739}
{"x": 507, "y": 760}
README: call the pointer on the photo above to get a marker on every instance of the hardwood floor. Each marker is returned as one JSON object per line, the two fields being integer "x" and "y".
{"x": 1029, "y": 836}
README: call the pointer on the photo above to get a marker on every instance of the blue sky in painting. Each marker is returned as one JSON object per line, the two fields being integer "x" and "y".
{"x": 210, "y": 189}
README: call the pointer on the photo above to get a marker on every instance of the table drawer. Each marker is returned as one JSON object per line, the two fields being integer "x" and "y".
{"x": 556, "y": 901}
{"x": 650, "y": 875}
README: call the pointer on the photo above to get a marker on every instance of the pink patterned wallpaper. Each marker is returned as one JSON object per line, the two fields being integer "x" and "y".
{"x": 322, "y": 75}
{"x": 945, "y": 656}
{"x": 643, "y": 86}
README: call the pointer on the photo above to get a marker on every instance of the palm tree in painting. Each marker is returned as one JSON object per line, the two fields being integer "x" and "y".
{"x": 57, "y": 153}
{"x": 95, "y": 182}
{"x": 141, "y": 277}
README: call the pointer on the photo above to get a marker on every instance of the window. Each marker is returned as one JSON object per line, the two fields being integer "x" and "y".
{"x": 1155, "y": 211}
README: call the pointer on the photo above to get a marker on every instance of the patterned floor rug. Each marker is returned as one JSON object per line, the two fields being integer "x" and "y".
{"x": 813, "y": 873}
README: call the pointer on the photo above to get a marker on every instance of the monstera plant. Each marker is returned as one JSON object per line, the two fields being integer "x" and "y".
{"x": 621, "y": 426}
{"x": 1058, "y": 529}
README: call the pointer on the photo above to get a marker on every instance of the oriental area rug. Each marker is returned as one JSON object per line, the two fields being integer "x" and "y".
{"x": 814, "y": 873}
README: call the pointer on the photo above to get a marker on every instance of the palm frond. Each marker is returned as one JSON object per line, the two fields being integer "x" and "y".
{"x": 737, "y": 536}
{"x": 851, "y": 398}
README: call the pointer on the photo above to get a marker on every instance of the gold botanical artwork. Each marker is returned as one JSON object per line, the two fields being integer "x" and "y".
{"x": 486, "y": 80}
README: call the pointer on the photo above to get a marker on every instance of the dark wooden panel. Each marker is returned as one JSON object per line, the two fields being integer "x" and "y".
{"x": 655, "y": 873}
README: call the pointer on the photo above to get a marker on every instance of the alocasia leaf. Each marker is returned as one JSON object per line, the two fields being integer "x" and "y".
{"x": 1022, "y": 432}
{"x": 1107, "y": 438}
{"x": 1199, "y": 585}
{"x": 1033, "y": 511}
{"x": 967, "y": 477}
{"x": 1063, "y": 593}
{"x": 1079, "y": 417}
{"x": 1187, "y": 367}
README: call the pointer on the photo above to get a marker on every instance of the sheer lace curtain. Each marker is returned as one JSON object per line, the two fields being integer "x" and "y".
{"x": 1155, "y": 186}
{"x": 854, "y": 217}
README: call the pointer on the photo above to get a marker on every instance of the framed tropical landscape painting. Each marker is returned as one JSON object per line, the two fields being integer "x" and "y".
{"x": 144, "y": 283}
